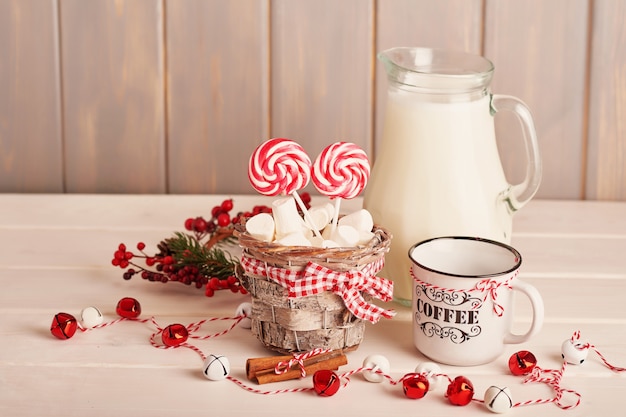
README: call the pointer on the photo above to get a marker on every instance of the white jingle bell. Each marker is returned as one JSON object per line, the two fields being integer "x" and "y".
{"x": 244, "y": 309}
{"x": 216, "y": 367}
{"x": 90, "y": 317}
{"x": 498, "y": 400}
{"x": 432, "y": 371}
{"x": 574, "y": 353}
{"x": 379, "y": 365}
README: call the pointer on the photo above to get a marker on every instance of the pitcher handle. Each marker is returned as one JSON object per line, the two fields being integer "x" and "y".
{"x": 519, "y": 194}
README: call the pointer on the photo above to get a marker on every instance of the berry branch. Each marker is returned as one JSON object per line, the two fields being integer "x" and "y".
{"x": 196, "y": 258}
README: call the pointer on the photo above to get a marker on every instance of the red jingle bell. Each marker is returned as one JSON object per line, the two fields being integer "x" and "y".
{"x": 326, "y": 383}
{"x": 460, "y": 391}
{"x": 522, "y": 363}
{"x": 415, "y": 386}
{"x": 128, "y": 308}
{"x": 174, "y": 335}
{"x": 63, "y": 326}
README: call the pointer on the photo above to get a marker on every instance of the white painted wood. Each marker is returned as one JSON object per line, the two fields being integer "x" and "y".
{"x": 55, "y": 253}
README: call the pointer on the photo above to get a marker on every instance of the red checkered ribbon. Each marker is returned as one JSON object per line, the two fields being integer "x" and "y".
{"x": 348, "y": 285}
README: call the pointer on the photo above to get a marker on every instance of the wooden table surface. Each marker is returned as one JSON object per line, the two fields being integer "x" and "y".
{"x": 55, "y": 253}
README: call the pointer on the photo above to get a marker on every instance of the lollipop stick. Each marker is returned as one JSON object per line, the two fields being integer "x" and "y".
{"x": 307, "y": 216}
{"x": 336, "y": 214}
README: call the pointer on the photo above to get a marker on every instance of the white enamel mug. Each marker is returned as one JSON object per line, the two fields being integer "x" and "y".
{"x": 463, "y": 299}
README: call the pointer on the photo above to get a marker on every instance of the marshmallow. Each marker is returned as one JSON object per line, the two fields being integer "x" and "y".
{"x": 327, "y": 232}
{"x": 345, "y": 236}
{"x": 320, "y": 242}
{"x": 294, "y": 239}
{"x": 361, "y": 220}
{"x": 316, "y": 241}
{"x": 261, "y": 227}
{"x": 364, "y": 238}
{"x": 286, "y": 217}
{"x": 320, "y": 216}
{"x": 330, "y": 208}
{"x": 327, "y": 244}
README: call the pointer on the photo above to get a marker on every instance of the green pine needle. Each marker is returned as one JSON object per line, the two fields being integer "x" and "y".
{"x": 212, "y": 262}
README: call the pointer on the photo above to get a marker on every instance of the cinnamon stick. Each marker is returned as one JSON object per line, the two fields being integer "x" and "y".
{"x": 263, "y": 370}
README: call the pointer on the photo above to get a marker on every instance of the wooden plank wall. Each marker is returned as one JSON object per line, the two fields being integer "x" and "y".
{"x": 164, "y": 96}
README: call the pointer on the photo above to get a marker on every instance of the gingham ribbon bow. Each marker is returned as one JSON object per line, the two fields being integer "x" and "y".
{"x": 348, "y": 285}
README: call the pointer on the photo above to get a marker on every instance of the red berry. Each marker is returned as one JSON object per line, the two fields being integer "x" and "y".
{"x": 215, "y": 211}
{"x": 209, "y": 292}
{"x": 122, "y": 247}
{"x": 141, "y": 246}
{"x": 223, "y": 219}
{"x": 168, "y": 260}
{"x": 214, "y": 283}
{"x": 199, "y": 225}
{"x": 227, "y": 205}
{"x": 189, "y": 224}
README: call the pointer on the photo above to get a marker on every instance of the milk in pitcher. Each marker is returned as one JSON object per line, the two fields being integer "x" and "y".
{"x": 437, "y": 171}
{"x": 453, "y": 177}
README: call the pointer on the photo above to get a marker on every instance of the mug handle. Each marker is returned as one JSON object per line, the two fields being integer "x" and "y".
{"x": 538, "y": 311}
{"x": 516, "y": 196}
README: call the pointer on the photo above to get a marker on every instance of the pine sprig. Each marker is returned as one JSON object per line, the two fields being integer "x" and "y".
{"x": 212, "y": 261}
{"x": 198, "y": 258}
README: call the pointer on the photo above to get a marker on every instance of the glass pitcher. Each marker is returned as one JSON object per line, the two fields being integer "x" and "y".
{"x": 438, "y": 171}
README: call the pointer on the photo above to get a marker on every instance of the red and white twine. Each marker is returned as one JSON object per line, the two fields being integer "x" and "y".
{"x": 582, "y": 346}
{"x": 550, "y": 377}
{"x": 487, "y": 286}
{"x": 109, "y": 323}
{"x": 192, "y": 328}
{"x": 298, "y": 358}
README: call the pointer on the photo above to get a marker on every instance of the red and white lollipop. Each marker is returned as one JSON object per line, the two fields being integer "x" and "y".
{"x": 279, "y": 166}
{"x": 341, "y": 170}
